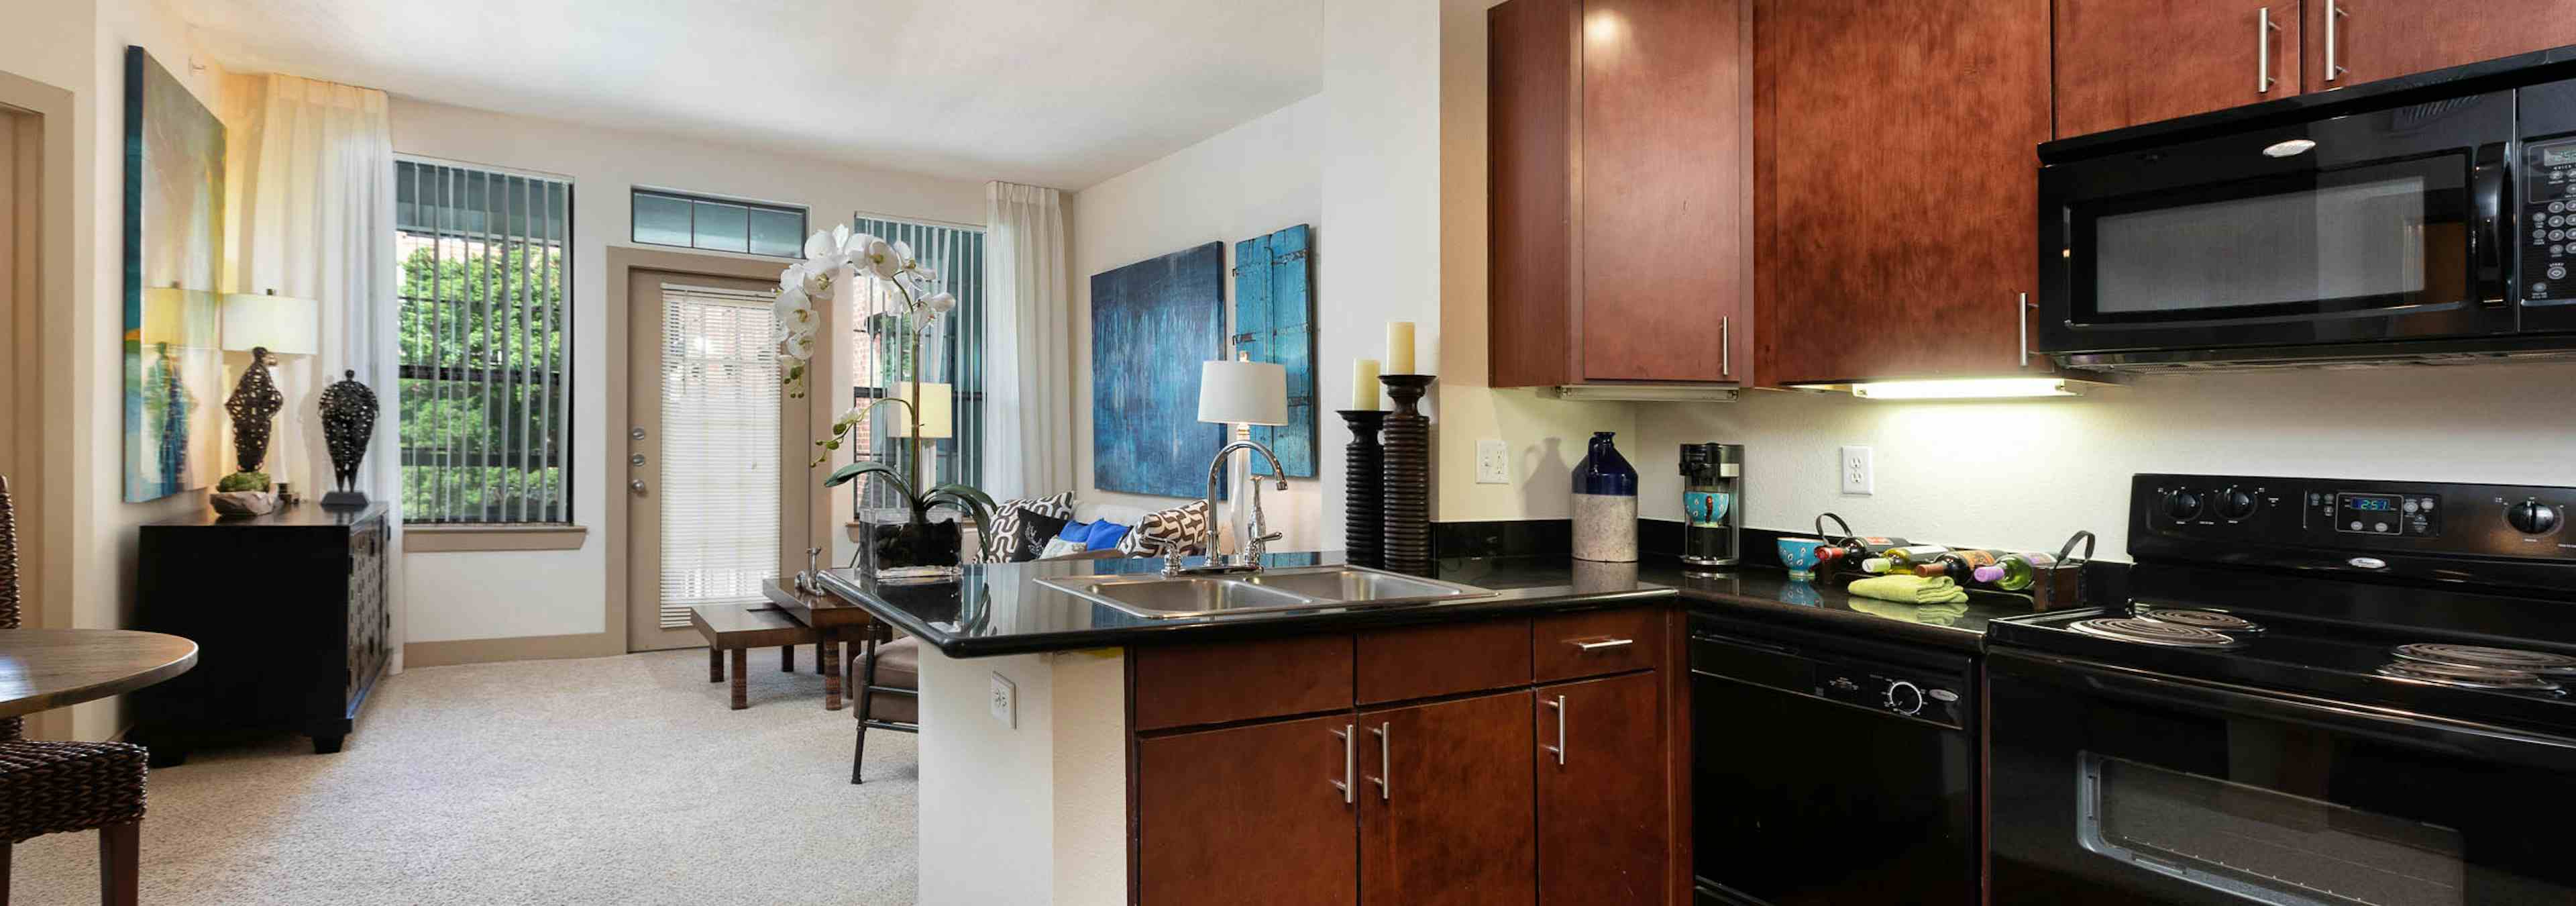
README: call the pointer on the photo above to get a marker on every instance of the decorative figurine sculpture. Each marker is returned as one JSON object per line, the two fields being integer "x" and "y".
{"x": 254, "y": 402}
{"x": 348, "y": 423}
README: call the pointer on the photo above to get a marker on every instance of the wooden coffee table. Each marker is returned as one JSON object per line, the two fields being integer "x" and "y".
{"x": 44, "y": 669}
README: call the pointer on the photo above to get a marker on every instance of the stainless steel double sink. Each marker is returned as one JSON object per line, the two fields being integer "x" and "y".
{"x": 1299, "y": 588}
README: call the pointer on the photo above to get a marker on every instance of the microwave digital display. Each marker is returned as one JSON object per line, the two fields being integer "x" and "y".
{"x": 2558, "y": 155}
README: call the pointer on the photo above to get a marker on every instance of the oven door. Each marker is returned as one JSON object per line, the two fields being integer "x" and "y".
{"x": 2369, "y": 227}
{"x": 2114, "y": 787}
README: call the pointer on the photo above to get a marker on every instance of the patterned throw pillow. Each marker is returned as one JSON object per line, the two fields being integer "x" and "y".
{"x": 1012, "y": 532}
{"x": 1183, "y": 527}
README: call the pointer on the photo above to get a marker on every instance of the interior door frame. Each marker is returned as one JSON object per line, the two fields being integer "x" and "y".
{"x": 629, "y": 267}
{"x": 36, "y": 331}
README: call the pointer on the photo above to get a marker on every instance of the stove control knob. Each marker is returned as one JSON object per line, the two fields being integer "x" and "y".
{"x": 2531, "y": 517}
{"x": 1904, "y": 698}
{"x": 2235, "y": 504}
{"x": 2182, "y": 505}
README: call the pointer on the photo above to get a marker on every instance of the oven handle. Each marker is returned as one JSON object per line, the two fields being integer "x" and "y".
{"x": 2456, "y": 737}
{"x": 2497, "y": 229}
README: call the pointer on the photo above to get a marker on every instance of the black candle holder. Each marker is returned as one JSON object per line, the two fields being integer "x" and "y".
{"x": 1407, "y": 472}
{"x": 1363, "y": 496}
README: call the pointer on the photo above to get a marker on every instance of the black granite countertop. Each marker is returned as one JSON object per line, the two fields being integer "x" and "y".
{"x": 997, "y": 609}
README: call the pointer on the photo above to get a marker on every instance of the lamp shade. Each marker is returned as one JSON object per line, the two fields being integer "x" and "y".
{"x": 935, "y": 404}
{"x": 1251, "y": 393}
{"x": 284, "y": 325}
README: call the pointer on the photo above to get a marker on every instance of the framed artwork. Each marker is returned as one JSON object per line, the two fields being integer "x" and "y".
{"x": 1152, "y": 323}
{"x": 174, "y": 201}
{"x": 1274, "y": 321}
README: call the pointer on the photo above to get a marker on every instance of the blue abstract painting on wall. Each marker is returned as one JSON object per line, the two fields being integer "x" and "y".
{"x": 174, "y": 201}
{"x": 1274, "y": 321}
{"x": 1152, "y": 323}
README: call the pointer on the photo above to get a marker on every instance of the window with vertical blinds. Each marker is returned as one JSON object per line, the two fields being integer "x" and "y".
{"x": 719, "y": 491}
{"x": 952, "y": 353}
{"x": 486, "y": 381}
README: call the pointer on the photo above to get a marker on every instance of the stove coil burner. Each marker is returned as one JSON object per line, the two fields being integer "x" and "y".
{"x": 2468, "y": 677}
{"x": 2481, "y": 656}
{"x": 2151, "y": 632}
{"x": 2217, "y": 621}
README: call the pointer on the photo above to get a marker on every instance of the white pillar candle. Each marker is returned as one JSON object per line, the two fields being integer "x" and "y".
{"x": 1364, "y": 385}
{"x": 1399, "y": 347}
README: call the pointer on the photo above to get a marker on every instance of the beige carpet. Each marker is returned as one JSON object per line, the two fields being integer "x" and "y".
{"x": 619, "y": 780}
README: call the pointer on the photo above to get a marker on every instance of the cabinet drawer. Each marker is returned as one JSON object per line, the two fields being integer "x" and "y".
{"x": 1595, "y": 642}
{"x": 1185, "y": 685}
{"x": 1424, "y": 661}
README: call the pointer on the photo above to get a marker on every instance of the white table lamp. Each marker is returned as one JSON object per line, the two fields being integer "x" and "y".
{"x": 1243, "y": 393}
{"x": 936, "y": 404}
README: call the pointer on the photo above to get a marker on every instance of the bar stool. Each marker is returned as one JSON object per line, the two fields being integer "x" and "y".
{"x": 889, "y": 667}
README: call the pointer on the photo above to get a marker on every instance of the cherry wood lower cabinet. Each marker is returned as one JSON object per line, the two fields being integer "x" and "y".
{"x": 1457, "y": 795}
{"x": 1601, "y": 820}
{"x": 1249, "y": 811}
{"x": 1445, "y": 804}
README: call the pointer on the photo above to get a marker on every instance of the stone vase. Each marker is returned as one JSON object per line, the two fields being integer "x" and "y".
{"x": 1605, "y": 504}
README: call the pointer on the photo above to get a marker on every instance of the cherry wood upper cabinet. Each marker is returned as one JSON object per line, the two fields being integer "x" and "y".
{"x": 1896, "y": 180}
{"x": 2125, "y": 62}
{"x": 2378, "y": 39}
{"x": 1618, "y": 145}
{"x": 1196, "y": 793}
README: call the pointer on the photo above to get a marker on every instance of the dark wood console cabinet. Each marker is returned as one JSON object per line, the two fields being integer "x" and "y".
{"x": 288, "y": 612}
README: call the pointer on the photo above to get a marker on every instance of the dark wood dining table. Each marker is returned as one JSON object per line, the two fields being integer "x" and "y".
{"x": 44, "y": 669}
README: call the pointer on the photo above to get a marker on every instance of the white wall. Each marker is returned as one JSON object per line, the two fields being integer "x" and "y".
{"x": 2025, "y": 474}
{"x": 1251, "y": 180}
{"x": 455, "y": 596}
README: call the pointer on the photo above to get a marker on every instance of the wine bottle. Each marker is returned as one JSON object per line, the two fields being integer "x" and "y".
{"x": 1960, "y": 565}
{"x": 2014, "y": 571}
{"x": 1902, "y": 560}
{"x": 1848, "y": 556}
{"x": 1876, "y": 566}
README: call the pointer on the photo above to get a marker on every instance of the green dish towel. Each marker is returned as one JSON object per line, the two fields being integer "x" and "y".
{"x": 1911, "y": 589}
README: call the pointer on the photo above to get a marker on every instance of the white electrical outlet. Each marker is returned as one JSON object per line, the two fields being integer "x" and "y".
{"x": 1006, "y": 702}
{"x": 1493, "y": 462}
{"x": 1857, "y": 475}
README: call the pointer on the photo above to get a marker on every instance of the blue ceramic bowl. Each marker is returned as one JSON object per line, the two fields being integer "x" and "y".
{"x": 1799, "y": 555}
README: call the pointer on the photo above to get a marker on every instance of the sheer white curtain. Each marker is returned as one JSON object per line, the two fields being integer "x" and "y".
{"x": 1028, "y": 422}
{"x": 309, "y": 212}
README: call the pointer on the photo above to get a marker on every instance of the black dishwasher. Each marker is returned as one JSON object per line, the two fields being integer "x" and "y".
{"x": 1831, "y": 769}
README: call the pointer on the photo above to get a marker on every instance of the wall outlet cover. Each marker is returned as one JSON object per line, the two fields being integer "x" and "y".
{"x": 1006, "y": 702}
{"x": 1858, "y": 475}
{"x": 1493, "y": 462}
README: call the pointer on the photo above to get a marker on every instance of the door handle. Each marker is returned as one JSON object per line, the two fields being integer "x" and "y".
{"x": 1350, "y": 763}
{"x": 1558, "y": 749}
{"x": 1598, "y": 644}
{"x": 2023, "y": 307}
{"x": 1725, "y": 347}
{"x": 1385, "y": 765}
{"x": 2333, "y": 11}
{"x": 2263, "y": 29}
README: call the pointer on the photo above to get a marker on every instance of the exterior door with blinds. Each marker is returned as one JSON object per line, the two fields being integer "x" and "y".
{"x": 710, "y": 450}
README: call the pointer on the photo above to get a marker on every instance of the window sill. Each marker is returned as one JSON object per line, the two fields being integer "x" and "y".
{"x": 419, "y": 539}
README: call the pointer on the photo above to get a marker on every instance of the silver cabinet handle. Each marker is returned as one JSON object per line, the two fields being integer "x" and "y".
{"x": 1350, "y": 763}
{"x": 2024, "y": 308}
{"x": 1601, "y": 644}
{"x": 1725, "y": 347}
{"x": 636, "y": 486}
{"x": 1558, "y": 749}
{"x": 2333, "y": 11}
{"x": 2263, "y": 29}
{"x": 1385, "y": 765}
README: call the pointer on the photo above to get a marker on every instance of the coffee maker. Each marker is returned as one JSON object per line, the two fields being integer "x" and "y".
{"x": 1712, "y": 506}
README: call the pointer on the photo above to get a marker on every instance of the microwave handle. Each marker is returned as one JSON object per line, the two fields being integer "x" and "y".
{"x": 2492, "y": 238}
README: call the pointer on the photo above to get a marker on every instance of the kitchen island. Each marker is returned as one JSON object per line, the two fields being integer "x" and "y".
{"x": 1531, "y": 745}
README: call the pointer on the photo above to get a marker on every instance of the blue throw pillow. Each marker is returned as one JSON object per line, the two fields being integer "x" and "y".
{"x": 1105, "y": 535}
{"x": 1076, "y": 531}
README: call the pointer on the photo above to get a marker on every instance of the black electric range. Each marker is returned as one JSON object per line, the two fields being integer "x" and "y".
{"x": 2322, "y": 691}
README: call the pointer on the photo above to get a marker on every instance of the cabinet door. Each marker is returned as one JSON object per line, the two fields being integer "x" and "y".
{"x": 2125, "y": 62}
{"x": 1247, "y": 815}
{"x": 1895, "y": 157}
{"x": 1604, "y": 819}
{"x": 1662, "y": 193}
{"x": 1445, "y": 804}
{"x": 2380, "y": 39}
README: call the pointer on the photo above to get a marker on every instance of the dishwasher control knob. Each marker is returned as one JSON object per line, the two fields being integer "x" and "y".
{"x": 2182, "y": 505}
{"x": 2531, "y": 517}
{"x": 2236, "y": 504}
{"x": 1904, "y": 698}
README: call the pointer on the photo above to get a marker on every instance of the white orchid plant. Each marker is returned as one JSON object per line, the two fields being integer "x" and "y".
{"x": 843, "y": 254}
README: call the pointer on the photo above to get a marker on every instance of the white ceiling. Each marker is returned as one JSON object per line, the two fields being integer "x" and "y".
{"x": 1061, "y": 93}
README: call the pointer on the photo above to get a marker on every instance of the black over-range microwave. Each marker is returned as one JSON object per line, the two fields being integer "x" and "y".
{"x": 2429, "y": 218}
